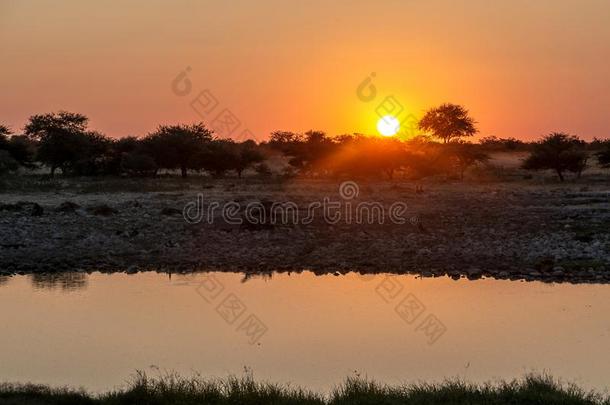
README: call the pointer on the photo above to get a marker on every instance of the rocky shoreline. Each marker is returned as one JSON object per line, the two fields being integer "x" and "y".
{"x": 504, "y": 231}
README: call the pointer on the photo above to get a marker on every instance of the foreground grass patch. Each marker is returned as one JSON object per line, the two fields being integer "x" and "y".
{"x": 173, "y": 389}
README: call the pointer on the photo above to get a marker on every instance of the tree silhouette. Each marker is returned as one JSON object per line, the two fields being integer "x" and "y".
{"x": 219, "y": 156}
{"x": 23, "y": 150}
{"x": 179, "y": 146}
{"x": 289, "y": 143}
{"x": 7, "y": 162}
{"x": 495, "y": 143}
{"x": 61, "y": 137}
{"x": 465, "y": 155}
{"x": 97, "y": 157}
{"x": 129, "y": 156}
{"x": 16, "y": 150}
{"x": 603, "y": 157}
{"x": 560, "y": 152}
{"x": 305, "y": 151}
{"x": 246, "y": 154}
{"x": 4, "y": 131}
{"x": 447, "y": 122}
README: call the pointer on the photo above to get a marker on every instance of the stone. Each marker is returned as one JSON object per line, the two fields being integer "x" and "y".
{"x": 37, "y": 210}
{"x": 103, "y": 210}
{"x": 169, "y": 211}
{"x": 67, "y": 207}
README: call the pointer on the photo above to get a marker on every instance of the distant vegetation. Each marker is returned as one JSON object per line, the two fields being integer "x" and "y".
{"x": 173, "y": 389}
{"x": 63, "y": 141}
{"x": 559, "y": 152}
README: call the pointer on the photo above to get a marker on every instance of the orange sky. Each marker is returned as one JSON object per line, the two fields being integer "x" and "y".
{"x": 523, "y": 68}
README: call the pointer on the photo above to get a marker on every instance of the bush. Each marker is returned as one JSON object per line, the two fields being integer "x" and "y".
{"x": 493, "y": 143}
{"x": 7, "y": 162}
{"x": 603, "y": 157}
{"x": 263, "y": 170}
{"x": 138, "y": 164}
{"x": 559, "y": 152}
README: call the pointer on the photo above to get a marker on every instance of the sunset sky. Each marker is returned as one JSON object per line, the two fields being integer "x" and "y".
{"x": 523, "y": 68}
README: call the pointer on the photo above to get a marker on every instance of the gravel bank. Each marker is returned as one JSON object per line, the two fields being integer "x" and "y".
{"x": 508, "y": 231}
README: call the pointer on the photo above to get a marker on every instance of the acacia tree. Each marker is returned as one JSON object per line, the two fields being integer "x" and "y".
{"x": 495, "y": 143}
{"x": 23, "y": 150}
{"x": 466, "y": 155}
{"x": 603, "y": 156}
{"x": 4, "y": 131}
{"x": 17, "y": 148}
{"x": 219, "y": 156}
{"x": 560, "y": 152}
{"x": 305, "y": 151}
{"x": 290, "y": 144}
{"x": 7, "y": 162}
{"x": 246, "y": 154}
{"x": 96, "y": 156}
{"x": 4, "y": 140}
{"x": 447, "y": 122}
{"x": 179, "y": 146}
{"x": 61, "y": 138}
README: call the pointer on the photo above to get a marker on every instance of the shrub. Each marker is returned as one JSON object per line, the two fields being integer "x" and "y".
{"x": 603, "y": 157}
{"x": 7, "y": 162}
{"x": 138, "y": 164}
{"x": 559, "y": 152}
{"x": 263, "y": 170}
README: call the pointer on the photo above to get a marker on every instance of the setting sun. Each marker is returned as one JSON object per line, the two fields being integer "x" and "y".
{"x": 388, "y": 125}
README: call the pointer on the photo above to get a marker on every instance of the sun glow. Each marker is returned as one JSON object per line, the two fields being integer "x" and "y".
{"x": 388, "y": 125}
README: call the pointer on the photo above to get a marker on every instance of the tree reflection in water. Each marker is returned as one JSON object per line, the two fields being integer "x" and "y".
{"x": 263, "y": 275}
{"x": 65, "y": 281}
{"x": 4, "y": 280}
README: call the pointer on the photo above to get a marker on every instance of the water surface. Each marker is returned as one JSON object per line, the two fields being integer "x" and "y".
{"x": 94, "y": 331}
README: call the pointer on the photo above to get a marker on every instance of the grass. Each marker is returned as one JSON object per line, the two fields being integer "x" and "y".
{"x": 173, "y": 389}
